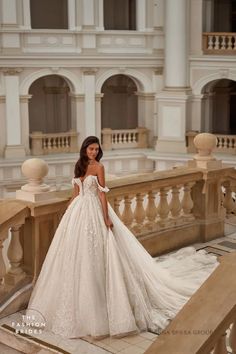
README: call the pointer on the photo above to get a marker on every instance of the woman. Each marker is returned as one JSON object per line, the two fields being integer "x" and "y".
{"x": 97, "y": 279}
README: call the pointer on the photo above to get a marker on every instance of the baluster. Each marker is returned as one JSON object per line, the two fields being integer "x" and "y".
{"x": 49, "y": 143}
{"x": 124, "y": 138}
{"x": 223, "y": 43}
{"x": 130, "y": 137}
{"x": 187, "y": 202}
{"x": 15, "y": 254}
{"x": 230, "y": 42}
{"x": 118, "y": 138}
{"x": 231, "y": 143}
{"x": 53, "y": 143}
{"x": 163, "y": 207}
{"x": 67, "y": 142}
{"x": 217, "y": 42}
{"x": 151, "y": 211}
{"x": 210, "y": 43}
{"x": 223, "y": 142}
{"x": 220, "y": 347}
{"x": 44, "y": 143}
{"x": 234, "y": 42}
{"x": 232, "y": 338}
{"x": 139, "y": 212}
{"x": 175, "y": 205}
{"x": 3, "y": 237}
{"x": 117, "y": 202}
{"x": 127, "y": 216}
{"x": 228, "y": 203}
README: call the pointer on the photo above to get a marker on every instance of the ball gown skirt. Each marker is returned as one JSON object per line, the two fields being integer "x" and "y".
{"x": 97, "y": 281}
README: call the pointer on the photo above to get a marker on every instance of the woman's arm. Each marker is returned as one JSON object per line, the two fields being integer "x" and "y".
{"x": 75, "y": 192}
{"x": 102, "y": 195}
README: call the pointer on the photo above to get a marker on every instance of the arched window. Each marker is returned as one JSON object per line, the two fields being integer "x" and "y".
{"x": 50, "y": 105}
{"x": 119, "y": 14}
{"x": 219, "y": 110}
{"x": 219, "y": 16}
{"x": 119, "y": 103}
{"x": 49, "y": 14}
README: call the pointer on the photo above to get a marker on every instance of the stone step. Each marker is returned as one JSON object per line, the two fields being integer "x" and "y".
{"x": 15, "y": 343}
{"x": 8, "y": 350}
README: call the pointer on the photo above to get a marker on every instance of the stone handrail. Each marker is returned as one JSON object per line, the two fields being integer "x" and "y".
{"x": 124, "y": 138}
{"x": 22, "y": 224}
{"x": 219, "y": 43}
{"x": 53, "y": 143}
{"x": 165, "y": 206}
{"x": 201, "y": 325}
{"x": 13, "y": 214}
{"x": 226, "y": 143}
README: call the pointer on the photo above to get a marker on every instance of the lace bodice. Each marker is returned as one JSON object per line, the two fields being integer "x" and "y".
{"x": 89, "y": 185}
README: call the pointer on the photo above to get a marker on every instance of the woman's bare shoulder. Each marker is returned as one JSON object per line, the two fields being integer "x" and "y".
{"x": 99, "y": 168}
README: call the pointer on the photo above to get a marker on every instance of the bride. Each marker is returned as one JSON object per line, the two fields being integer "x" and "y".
{"x": 97, "y": 279}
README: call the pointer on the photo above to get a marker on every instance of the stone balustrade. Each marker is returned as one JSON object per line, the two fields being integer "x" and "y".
{"x": 13, "y": 215}
{"x": 213, "y": 312}
{"x": 219, "y": 43}
{"x": 225, "y": 143}
{"x": 54, "y": 143}
{"x": 124, "y": 138}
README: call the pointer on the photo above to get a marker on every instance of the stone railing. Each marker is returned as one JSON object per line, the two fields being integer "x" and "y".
{"x": 225, "y": 143}
{"x": 200, "y": 327}
{"x": 124, "y": 138}
{"x": 44, "y": 144}
{"x": 13, "y": 216}
{"x": 219, "y": 43}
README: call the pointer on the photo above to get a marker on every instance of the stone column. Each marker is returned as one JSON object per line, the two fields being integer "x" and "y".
{"x": 173, "y": 101}
{"x": 24, "y": 113}
{"x": 176, "y": 44}
{"x": 158, "y": 13}
{"x": 71, "y": 14}
{"x": 10, "y": 41}
{"x": 26, "y": 15}
{"x": 14, "y": 147}
{"x": 196, "y": 121}
{"x": 98, "y": 112}
{"x": 9, "y": 13}
{"x": 77, "y": 115}
{"x": 146, "y": 105}
{"x": 89, "y": 106}
{"x": 141, "y": 15}
{"x": 196, "y": 14}
{"x": 88, "y": 14}
{"x": 100, "y": 26}
{"x": 2, "y": 125}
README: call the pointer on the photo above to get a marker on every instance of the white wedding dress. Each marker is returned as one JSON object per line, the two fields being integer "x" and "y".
{"x": 97, "y": 282}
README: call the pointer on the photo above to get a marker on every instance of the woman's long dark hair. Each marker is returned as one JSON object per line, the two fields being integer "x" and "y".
{"x": 82, "y": 164}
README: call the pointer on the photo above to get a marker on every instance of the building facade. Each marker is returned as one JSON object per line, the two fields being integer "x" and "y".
{"x": 115, "y": 69}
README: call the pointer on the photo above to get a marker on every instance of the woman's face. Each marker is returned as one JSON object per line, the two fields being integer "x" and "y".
{"x": 92, "y": 151}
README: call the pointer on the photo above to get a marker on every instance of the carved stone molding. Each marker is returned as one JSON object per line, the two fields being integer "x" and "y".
{"x": 89, "y": 71}
{"x": 158, "y": 71}
{"x": 25, "y": 98}
{"x": 11, "y": 71}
